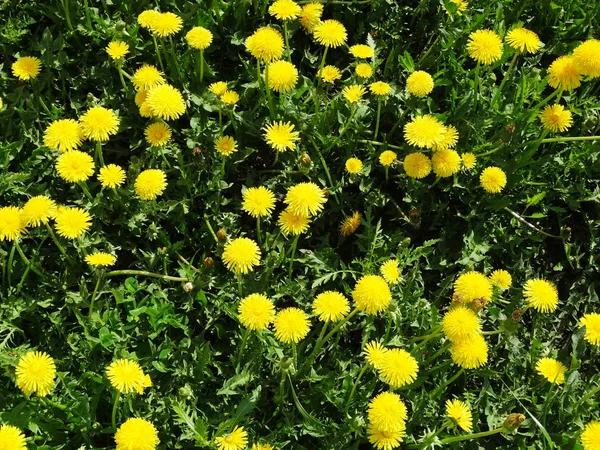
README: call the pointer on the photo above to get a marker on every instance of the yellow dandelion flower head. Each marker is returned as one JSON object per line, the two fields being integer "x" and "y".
{"x": 492, "y": 179}
{"x": 587, "y": 58}
{"x": 372, "y": 294}
{"x": 387, "y": 412}
{"x": 63, "y": 135}
{"x": 285, "y": 9}
{"x": 330, "y": 33}
{"x": 226, "y": 145}
{"x": 35, "y": 373}
{"x": 470, "y": 353}
{"x": 265, "y": 44}
{"x": 364, "y": 70}
{"x": 166, "y": 102}
{"x": 199, "y": 38}
{"x": 283, "y": 75}
{"x": 541, "y": 294}
{"x": 230, "y": 97}
{"x": 590, "y": 437}
{"x": 72, "y": 222}
{"x": 111, "y": 176}
{"x": 157, "y": 134}
{"x": 166, "y": 24}
{"x": 354, "y": 165}
{"x": 236, "y": 440}
{"x": 331, "y": 306}
{"x": 398, "y": 368}
{"x": 350, "y": 224}
{"x": 310, "y": 15}
{"x": 445, "y": 163}
{"x": 460, "y": 323}
{"x": 99, "y": 123}
{"x": 140, "y": 97}
{"x": 387, "y": 158}
{"x": 241, "y": 255}
{"x": 552, "y": 370}
{"x": 469, "y": 160}
{"x": 147, "y": 77}
{"x": 564, "y": 74}
{"x": 100, "y": 259}
{"x": 26, "y": 67}
{"x": 380, "y": 88}
{"x": 218, "y": 88}
{"x": 450, "y": 139}
{"x": 460, "y": 414}
{"x": 11, "y": 438}
{"x": 591, "y": 322}
{"x": 390, "y": 271}
{"x": 461, "y": 6}
{"x": 472, "y": 286}
{"x": 147, "y": 382}
{"x": 417, "y": 165}
{"x": 353, "y": 93}
{"x": 306, "y": 199}
{"x": 374, "y": 353}
{"x": 524, "y": 40}
{"x": 419, "y": 83}
{"x": 256, "y": 312}
{"x": 262, "y": 447}
{"x": 330, "y": 74}
{"x": 424, "y": 131}
{"x": 74, "y": 166}
{"x": 385, "y": 440}
{"x": 556, "y": 118}
{"x": 117, "y": 49}
{"x": 136, "y": 434}
{"x": 485, "y": 46}
{"x": 146, "y": 111}
{"x": 38, "y": 210}
{"x": 150, "y": 184}
{"x": 258, "y": 201}
{"x": 362, "y": 51}
{"x": 125, "y": 375}
{"x": 12, "y": 223}
{"x": 147, "y": 18}
{"x": 291, "y": 325}
{"x": 281, "y": 136}
{"x": 501, "y": 278}
{"x": 293, "y": 223}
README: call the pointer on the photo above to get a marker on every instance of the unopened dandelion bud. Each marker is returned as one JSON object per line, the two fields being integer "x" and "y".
{"x": 326, "y": 192}
{"x": 208, "y": 262}
{"x": 305, "y": 159}
{"x": 188, "y": 287}
{"x": 286, "y": 364}
{"x": 405, "y": 242}
{"x": 186, "y": 392}
{"x": 514, "y": 421}
{"x": 120, "y": 26}
{"x": 222, "y": 234}
{"x": 479, "y": 303}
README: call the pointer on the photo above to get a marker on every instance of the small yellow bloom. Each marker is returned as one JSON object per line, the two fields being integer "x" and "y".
{"x": 354, "y": 165}
{"x": 291, "y": 325}
{"x": 281, "y": 136}
{"x": 390, "y": 271}
{"x": 387, "y": 158}
{"x": 310, "y": 15}
{"x": 117, "y": 50}
{"x": 236, "y": 440}
{"x": 445, "y": 163}
{"x": 199, "y": 38}
{"x": 35, "y": 373}
{"x": 330, "y": 74}
{"x": 380, "y": 88}
{"x": 493, "y": 179}
{"x": 283, "y": 76}
{"x": 218, "y": 88}
{"x": 469, "y": 160}
{"x": 285, "y": 10}
{"x": 417, "y": 165}
{"x": 556, "y": 118}
{"x": 524, "y": 40}
{"x": 230, "y": 97}
{"x": 258, "y": 201}
{"x": 362, "y": 51}
{"x": 226, "y": 145}
{"x": 563, "y": 73}
{"x": 459, "y": 413}
{"x": 331, "y": 306}
{"x": 364, "y": 70}
{"x": 265, "y": 44}
{"x": 111, "y": 176}
{"x": 485, "y": 47}
{"x": 330, "y": 33}
{"x": 501, "y": 278}
{"x": 241, "y": 255}
{"x": 26, "y": 67}
{"x": 293, "y": 223}
{"x": 419, "y": 83}
{"x": 353, "y": 93}
{"x": 157, "y": 134}
{"x": 552, "y": 370}
{"x": 100, "y": 259}
{"x": 150, "y": 184}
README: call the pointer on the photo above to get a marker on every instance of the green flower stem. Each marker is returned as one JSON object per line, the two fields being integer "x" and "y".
{"x": 570, "y": 139}
{"x": 476, "y": 87}
{"x": 491, "y": 333}
{"x": 530, "y": 225}
{"x": 349, "y": 121}
{"x": 426, "y": 340}
{"x": 220, "y": 118}
{"x": 94, "y": 295}
{"x": 258, "y": 74}
{"x": 429, "y": 50}
{"x": 320, "y": 343}
{"x": 354, "y": 386}
{"x": 433, "y": 332}
{"x": 258, "y": 231}
{"x": 324, "y": 167}
{"x": 121, "y": 77}
{"x": 293, "y": 255}
{"x": 43, "y": 104}
{"x": 157, "y": 50}
{"x": 240, "y": 284}
{"x": 386, "y": 173}
{"x": 548, "y": 399}
{"x": 506, "y": 76}
{"x": 393, "y": 147}
{"x": 201, "y": 65}
{"x": 99, "y": 158}
{"x": 442, "y": 349}
{"x": 65, "y": 4}
{"x": 282, "y": 390}
{"x": 49, "y": 403}
{"x": 491, "y": 151}
{"x": 245, "y": 334}
{"x": 210, "y": 229}
{"x": 377, "y": 121}
{"x": 85, "y": 190}
{"x": 294, "y": 355}
{"x": 232, "y": 119}
{"x": 58, "y": 244}
{"x": 448, "y": 382}
{"x": 114, "y": 411}
{"x": 287, "y": 44}
{"x": 26, "y": 260}
{"x": 88, "y": 18}
{"x": 144, "y": 273}
{"x": 268, "y": 91}
{"x": 312, "y": 355}
{"x": 174, "y": 57}
{"x": 587, "y": 396}
{"x": 318, "y": 81}
{"x": 126, "y": 75}
{"x": 468, "y": 437}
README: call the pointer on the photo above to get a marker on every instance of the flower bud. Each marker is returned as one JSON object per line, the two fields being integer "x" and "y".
{"x": 208, "y": 262}
{"x": 514, "y": 421}
{"x": 188, "y": 287}
{"x": 222, "y": 234}
{"x": 119, "y": 26}
{"x": 516, "y": 315}
{"x": 186, "y": 392}
{"x": 305, "y": 159}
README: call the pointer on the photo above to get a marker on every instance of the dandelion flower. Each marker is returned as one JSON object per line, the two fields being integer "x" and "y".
{"x": 419, "y": 83}
{"x": 285, "y": 10}
{"x": 387, "y": 158}
{"x": 146, "y": 111}
{"x": 125, "y": 375}
{"x": 385, "y": 440}
{"x": 330, "y": 74}
{"x": 292, "y": 223}
{"x": 398, "y": 368}
{"x": 35, "y": 373}
{"x": 461, "y": 6}
{"x": 331, "y": 306}
{"x": 330, "y": 33}
{"x": 150, "y": 184}
{"x": 291, "y": 325}
{"x": 241, "y": 255}
{"x": 256, "y": 312}
{"x": 310, "y": 15}
{"x": 591, "y": 322}
{"x": 147, "y": 77}
{"x": 460, "y": 323}
{"x": 564, "y": 74}
{"x": 71, "y": 223}
{"x": 63, "y": 135}
{"x": 501, "y": 278}
{"x": 226, "y": 145}
{"x": 218, "y": 88}
{"x": 469, "y": 160}
{"x": 157, "y": 134}
{"x": 590, "y": 437}
{"x": 111, "y": 176}
{"x": 587, "y": 58}
{"x": 100, "y": 259}
{"x": 99, "y": 123}
{"x": 445, "y": 163}
{"x": 230, "y": 97}
{"x": 11, "y": 438}
{"x": 523, "y": 40}
{"x": 140, "y": 97}
{"x": 470, "y": 353}
{"x": 12, "y": 223}
{"x": 380, "y": 88}
{"x": 362, "y": 51}
{"x": 354, "y": 165}
{"x": 485, "y": 46}
{"x": 390, "y": 271}
{"x": 199, "y": 38}
{"x": 262, "y": 447}
{"x": 450, "y": 139}
{"x": 147, "y": 18}
{"x": 460, "y": 414}
{"x": 258, "y": 201}
{"x": 74, "y": 166}
{"x": 372, "y": 294}
{"x": 166, "y": 102}
{"x": 350, "y": 224}
{"x": 424, "y": 131}
{"x": 38, "y": 210}
{"x": 541, "y": 294}
{"x": 417, "y": 165}
{"x": 166, "y": 24}
{"x": 374, "y": 353}
{"x": 306, "y": 199}
{"x": 117, "y": 50}
{"x": 556, "y": 118}
{"x": 26, "y": 67}
{"x": 552, "y": 370}
{"x": 472, "y": 286}
{"x": 265, "y": 44}
{"x": 364, "y": 70}
{"x": 353, "y": 93}
{"x": 492, "y": 179}
{"x": 236, "y": 440}
{"x": 283, "y": 75}
{"x": 387, "y": 412}
{"x": 136, "y": 434}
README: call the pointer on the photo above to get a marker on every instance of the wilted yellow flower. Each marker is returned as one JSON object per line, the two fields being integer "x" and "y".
{"x": 150, "y": 184}
{"x": 350, "y": 224}
{"x": 493, "y": 179}
{"x": 26, "y": 67}
{"x": 117, "y": 49}
{"x": 523, "y": 40}
{"x": 419, "y": 83}
{"x": 556, "y": 118}
{"x": 485, "y": 46}
{"x": 330, "y": 33}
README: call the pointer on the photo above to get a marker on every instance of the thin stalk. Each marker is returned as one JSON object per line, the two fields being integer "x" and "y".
{"x": 476, "y": 87}
{"x": 321, "y": 66}
{"x": 210, "y": 229}
{"x": 65, "y": 4}
{"x": 312, "y": 354}
{"x": 386, "y": 173}
{"x": 339, "y": 325}
{"x": 393, "y": 147}
{"x": 157, "y": 50}
{"x": 354, "y": 386}
{"x": 25, "y": 259}
{"x": 258, "y": 231}
{"x": 491, "y": 333}
{"x": 114, "y": 411}
{"x": 530, "y": 225}
{"x": 377, "y": 121}
{"x": 294, "y": 245}
{"x": 43, "y": 104}
{"x": 294, "y": 355}
{"x": 85, "y": 190}
{"x": 506, "y": 76}
{"x": 201, "y": 65}
{"x": 491, "y": 151}
{"x": 239, "y": 280}
{"x": 121, "y": 77}
{"x": 570, "y": 139}
{"x": 58, "y": 244}
{"x": 534, "y": 110}
{"x": 220, "y": 118}
{"x": 287, "y": 44}
{"x": 174, "y": 55}
{"x": 426, "y": 340}
{"x": 587, "y": 396}
{"x": 424, "y": 57}
{"x": 231, "y": 118}
{"x": 258, "y": 74}
{"x": 100, "y": 159}
{"x": 94, "y": 296}
{"x": 145, "y": 273}
{"x": 442, "y": 349}
{"x": 435, "y": 331}
{"x": 244, "y": 340}
{"x": 448, "y": 382}
{"x": 325, "y": 168}
{"x": 268, "y": 91}
{"x": 468, "y": 437}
